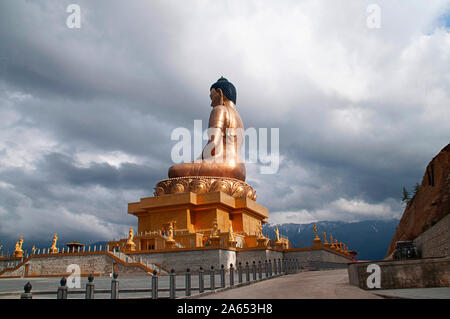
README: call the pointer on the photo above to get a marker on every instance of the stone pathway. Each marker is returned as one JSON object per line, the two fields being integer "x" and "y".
{"x": 416, "y": 293}
{"x": 327, "y": 284}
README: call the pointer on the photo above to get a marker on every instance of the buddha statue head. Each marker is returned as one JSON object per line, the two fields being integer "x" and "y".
{"x": 222, "y": 92}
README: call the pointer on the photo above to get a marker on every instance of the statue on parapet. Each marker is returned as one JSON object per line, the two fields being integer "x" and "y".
{"x": 260, "y": 232}
{"x": 130, "y": 246}
{"x": 325, "y": 242}
{"x": 53, "y": 249}
{"x": 170, "y": 233}
{"x": 277, "y": 232}
{"x": 315, "y": 230}
{"x": 215, "y": 229}
{"x": 18, "y": 252}
{"x": 317, "y": 242}
{"x": 130, "y": 236}
{"x": 231, "y": 237}
{"x": 332, "y": 242}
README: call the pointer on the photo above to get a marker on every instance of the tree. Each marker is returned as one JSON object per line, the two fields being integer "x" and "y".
{"x": 416, "y": 189}
{"x": 406, "y": 197}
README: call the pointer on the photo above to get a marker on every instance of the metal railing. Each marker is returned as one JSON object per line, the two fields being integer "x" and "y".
{"x": 246, "y": 274}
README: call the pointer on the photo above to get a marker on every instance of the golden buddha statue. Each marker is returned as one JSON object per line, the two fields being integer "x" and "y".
{"x": 220, "y": 157}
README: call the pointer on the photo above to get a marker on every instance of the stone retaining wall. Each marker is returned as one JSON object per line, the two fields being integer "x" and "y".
{"x": 409, "y": 273}
{"x": 192, "y": 259}
{"x": 101, "y": 263}
{"x": 316, "y": 258}
{"x": 8, "y": 263}
{"x": 435, "y": 241}
{"x": 98, "y": 263}
{"x": 249, "y": 256}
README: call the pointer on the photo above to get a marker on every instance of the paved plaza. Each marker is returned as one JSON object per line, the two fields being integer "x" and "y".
{"x": 327, "y": 284}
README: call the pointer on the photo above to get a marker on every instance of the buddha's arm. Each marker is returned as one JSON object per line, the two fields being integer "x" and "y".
{"x": 216, "y": 127}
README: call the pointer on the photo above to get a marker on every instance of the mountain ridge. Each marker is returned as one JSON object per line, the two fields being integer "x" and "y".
{"x": 369, "y": 238}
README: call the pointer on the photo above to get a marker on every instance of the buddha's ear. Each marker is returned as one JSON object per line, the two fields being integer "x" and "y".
{"x": 221, "y": 96}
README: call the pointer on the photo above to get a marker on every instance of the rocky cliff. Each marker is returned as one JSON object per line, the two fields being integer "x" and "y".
{"x": 430, "y": 204}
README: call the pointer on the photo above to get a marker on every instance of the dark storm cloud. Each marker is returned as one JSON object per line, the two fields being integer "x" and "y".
{"x": 59, "y": 168}
{"x": 132, "y": 62}
{"x": 55, "y": 170}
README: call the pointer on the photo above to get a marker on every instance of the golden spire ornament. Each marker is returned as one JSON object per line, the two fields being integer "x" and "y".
{"x": 316, "y": 240}
{"x": 325, "y": 242}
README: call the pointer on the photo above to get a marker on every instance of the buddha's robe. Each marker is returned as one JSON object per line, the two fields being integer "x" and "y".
{"x": 221, "y": 156}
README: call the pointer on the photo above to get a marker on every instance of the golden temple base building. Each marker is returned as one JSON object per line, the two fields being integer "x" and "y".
{"x": 190, "y": 220}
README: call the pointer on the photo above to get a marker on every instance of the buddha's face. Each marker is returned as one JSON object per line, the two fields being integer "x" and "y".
{"x": 216, "y": 97}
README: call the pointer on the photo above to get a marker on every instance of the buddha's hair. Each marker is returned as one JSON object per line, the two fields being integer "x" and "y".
{"x": 227, "y": 88}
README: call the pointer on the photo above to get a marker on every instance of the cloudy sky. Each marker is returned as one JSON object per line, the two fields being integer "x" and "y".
{"x": 86, "y": 114}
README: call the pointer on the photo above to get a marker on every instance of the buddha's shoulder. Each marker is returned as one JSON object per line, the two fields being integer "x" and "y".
{"x": 220, "y": 111}
{"x": 220, "y": 108}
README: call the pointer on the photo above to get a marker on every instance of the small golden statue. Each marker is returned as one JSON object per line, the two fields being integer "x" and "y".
{"x": 53, "y": 249}
{"x": 231, "y": 238}
{"x": 215, "y": 229}
{"x": 130, "y": 246}
{"x": 315, "y": 230}
{"x": 278, "y": 234}
{"x": 325, "y": 242}
{"x": 316, "y": 240}
{"x": 170, "y": 235}
{"x": 332, "y": 242}
{"x": 33, "y": 249}
{"x": 260, "y": 233}
{"x": 18, "y": 252}
{"x": 130, "y": 236}
{"x": 262, "y": 241}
